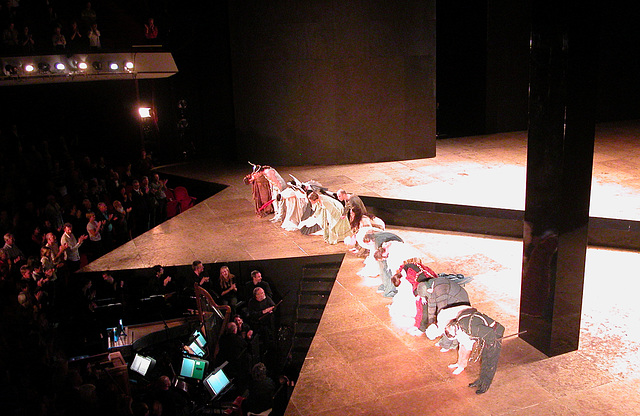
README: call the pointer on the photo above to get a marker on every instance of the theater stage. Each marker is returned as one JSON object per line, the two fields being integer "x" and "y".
{"x": 360, "y": 361}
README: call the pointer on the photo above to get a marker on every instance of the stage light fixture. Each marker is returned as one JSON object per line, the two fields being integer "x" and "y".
{"x": 44, "y": 67}
{"x": 128, "y": 65}
{"x": 113, "y": 66}
{"x": 59, "y": 66}
{"x": 97, "y": 65}
{"x": 82, "y": 66}
{"x": 145, "y": 112}
{"x": 29, "y": 68}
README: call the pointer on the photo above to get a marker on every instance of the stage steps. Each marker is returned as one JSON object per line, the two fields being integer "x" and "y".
{"x": 315, "y": 287}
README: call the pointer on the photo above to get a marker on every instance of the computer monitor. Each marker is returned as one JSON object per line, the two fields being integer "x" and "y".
{"x": 193, "y": 367}
{"x": 217, "y": 382}
{"x": 142, "y": 364}
{"x": 198, "y": 338}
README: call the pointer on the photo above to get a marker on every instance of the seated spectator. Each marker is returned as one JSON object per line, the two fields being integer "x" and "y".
{"x": 260, "y": 310}
{"x": 160, "y": 283}
{"x": 110, "y": 288}
{"x": 173, "y": 403}
{"x": 199, "y": 277}
{"x": 226, "y": 289}
{"x": 256, "y": 281}
{"x": 260, "y": 392}
{"x": 245, "y": 331}
{"x": 234, "y": 349}
{"x": 243, "y": 328}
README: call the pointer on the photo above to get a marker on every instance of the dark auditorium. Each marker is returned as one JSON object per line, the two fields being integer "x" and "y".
{"x": 313, "y": 208}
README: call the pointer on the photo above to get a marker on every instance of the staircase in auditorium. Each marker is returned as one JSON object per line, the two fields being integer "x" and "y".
{"x": 315, "y": 287}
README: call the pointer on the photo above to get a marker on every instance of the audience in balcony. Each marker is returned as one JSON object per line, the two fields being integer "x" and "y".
{"x": 58, "y": 39}
{"x": 150, "y": 30}
{"x": 32, "y": 28}
{"x": 94, "y": 38}
{"x": 10, "y": 38}
{"x": 75, "y": 42}
{"x": 26, "y": 41}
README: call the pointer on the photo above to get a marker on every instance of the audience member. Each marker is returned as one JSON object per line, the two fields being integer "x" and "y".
{"x": 226, "y": 289}
{"x": 150, "y": 29}
{"x": 94, "y": 38}
{"x": 199, "y": 277}
{"x": 141, "y": 212}
{"x": 173, "y": 403}
{"x": 53, "y": 213}
{"x": 10, "y": 38}
{"x": 12, "y": 252}
{"x": 94, "y": 230}
{"x": 58, "y": 39}
{"x": 71, "y": 248}
{"x": 261, "y": 391}
{"x": 103, "y": 215}
{"x": 120, "y": 221}
{"x": 27, "y": 44}
{"x": 158, "y": 188}
{"x": 162, "y": 284}
{"x": 260, "y": 310}
{"x": 56, "y": 251}
{"x": 234, "y": 349}
{"x": 75, "y": 41}
{"x": 110, "y": 288}
{"x": 88, "y": 15}
{"x": 256, "y": 281}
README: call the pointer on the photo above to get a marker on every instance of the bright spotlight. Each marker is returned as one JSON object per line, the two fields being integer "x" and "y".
{"x": 82, "y": 66}
{"x": 113, "y": 66}
{"x": 128, "y": 65}
{"x": 145, "y": 112}
{"x": 29, "y": 68}
{"x": 60, "y": 66}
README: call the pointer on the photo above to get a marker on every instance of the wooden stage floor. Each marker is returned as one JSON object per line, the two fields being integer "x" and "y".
{"x": 362, "y": 361}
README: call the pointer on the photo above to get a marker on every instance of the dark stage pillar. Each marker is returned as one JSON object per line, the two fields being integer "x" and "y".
{"x": 559, "y": 162}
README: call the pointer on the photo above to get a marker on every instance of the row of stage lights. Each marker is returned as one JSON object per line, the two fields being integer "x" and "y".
{"x": 59, "y": 67}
